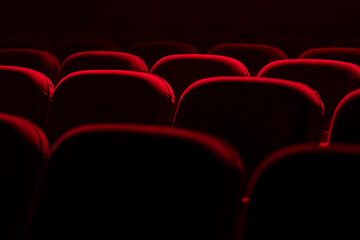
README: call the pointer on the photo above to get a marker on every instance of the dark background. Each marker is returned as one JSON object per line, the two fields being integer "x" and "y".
{"x": 317, "y": 18}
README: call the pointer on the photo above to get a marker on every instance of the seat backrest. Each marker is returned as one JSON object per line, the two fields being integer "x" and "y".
{"x": 253, "y": 56}
{"x": 331, "y": 79}
{"x": 38, "y": 60}
{"x": 181, "y": 70}
{"x": 24, "y": 92}
{"x": 152, "y": 51}
{"x": 344, "y": 126}
{"x": 97, "y": 60}
{"x": 24, "y": 150}
{"x": 304, "y": 192}
{"x": 292, "y": 45}
{"x": 136, "y": 181}
{"x": 69, "y": 46}
{"x": 256, "y": 115}
{"x": 94, "y": 96}
{"x": 351, "y": 55}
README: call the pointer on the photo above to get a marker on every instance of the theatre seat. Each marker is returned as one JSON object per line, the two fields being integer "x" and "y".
{"x": 25, "y": 93}
{"x": 344, "y": 54}
{"x": 345, "y": 127}
{"x": 304, "y": 192}
{"x": 183, "y": 69}
{"x": 115, "y": 96}
{"x": 116, "y": 181}
{"x": 292, "y": 45}
{"x": 152, "y": 51}
{"x": 38, "y": 60}
{"x": 69, "y": 46}
{"x": 332, "y": 79}
{"x": 256, "y": 115}
{"x": 23, "y": 152}
{"x": 97, "y": 60}
{"x": 253, "y": 56}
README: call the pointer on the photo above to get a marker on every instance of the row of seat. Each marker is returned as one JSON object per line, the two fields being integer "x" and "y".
{"x": 135, "y": 181}
{"x": 256, "y": 114}
{"x": 144, "y": 55}
{"x": 292, "y": 46}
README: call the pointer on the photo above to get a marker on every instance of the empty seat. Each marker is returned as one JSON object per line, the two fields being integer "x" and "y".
{"x": 95, "y": 96}
{"x": 25, "y": 93}
{"x": 69, "y": 46}
{"x": 351, "y": 55}
{"x": 345, "y": 126}
{"x": 256, "y": 115}
{"x": 204, "y": 41}
{"x": 26, "y": 42}
{"x": 152, "y": 51}
{"x": 332, "y": 79}
{"x": 253, "y": 56}
{"x": 119, "y": 181}
{"x": 97, "y": 60}
{"x": 23, "y": 150}
{"x": 304, "y": 192}
{"x": 38, "y": 60}
{"x": 292, "y": 45}
{"x": 183, "y": 69}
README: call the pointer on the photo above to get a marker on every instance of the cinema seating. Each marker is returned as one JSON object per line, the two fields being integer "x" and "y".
{"x": 256, "y": 115}
{"x": 292, "y": 45}
{"x": 24, "y": 93}
{"x": 304, "y": 192}
{"x": 69, "y": 46}
{"x": 253, "y": 56}
{"x": 351, "y": 55}
{"x": 152, "y": 51}
{"x": 23, "y": 150}
{"x": 97, "y": 60}
{"x": 137, "y": 181}
{"x": 332, "y": 79}
{"x": 38, "y": 60}
{"x": 99, "y": 96}
{"x": 183, "y": 69}
{"x": 344, "y": 127}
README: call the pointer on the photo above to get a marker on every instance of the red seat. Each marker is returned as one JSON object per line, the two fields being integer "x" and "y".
{"x": 109, "y": 181}
{"x": 351, "y": 55}
{"x": 23, "y": 150}
{"x": 332, "y": 79}
{"x": 152, "y": 51}
{"x": 292, "y": 45}
{"x": 183, "y": 69}
{"x": 97, "y": 60}
{"x": 69, "y": 46}
{"x": 253, "y": 56}
{"x": 96, "y": 96}
{"x": 38, "y": 60}
{"x": 256, "y": 115}
{"x": 304, "y": 192}
{"x": 25, "y": 93}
